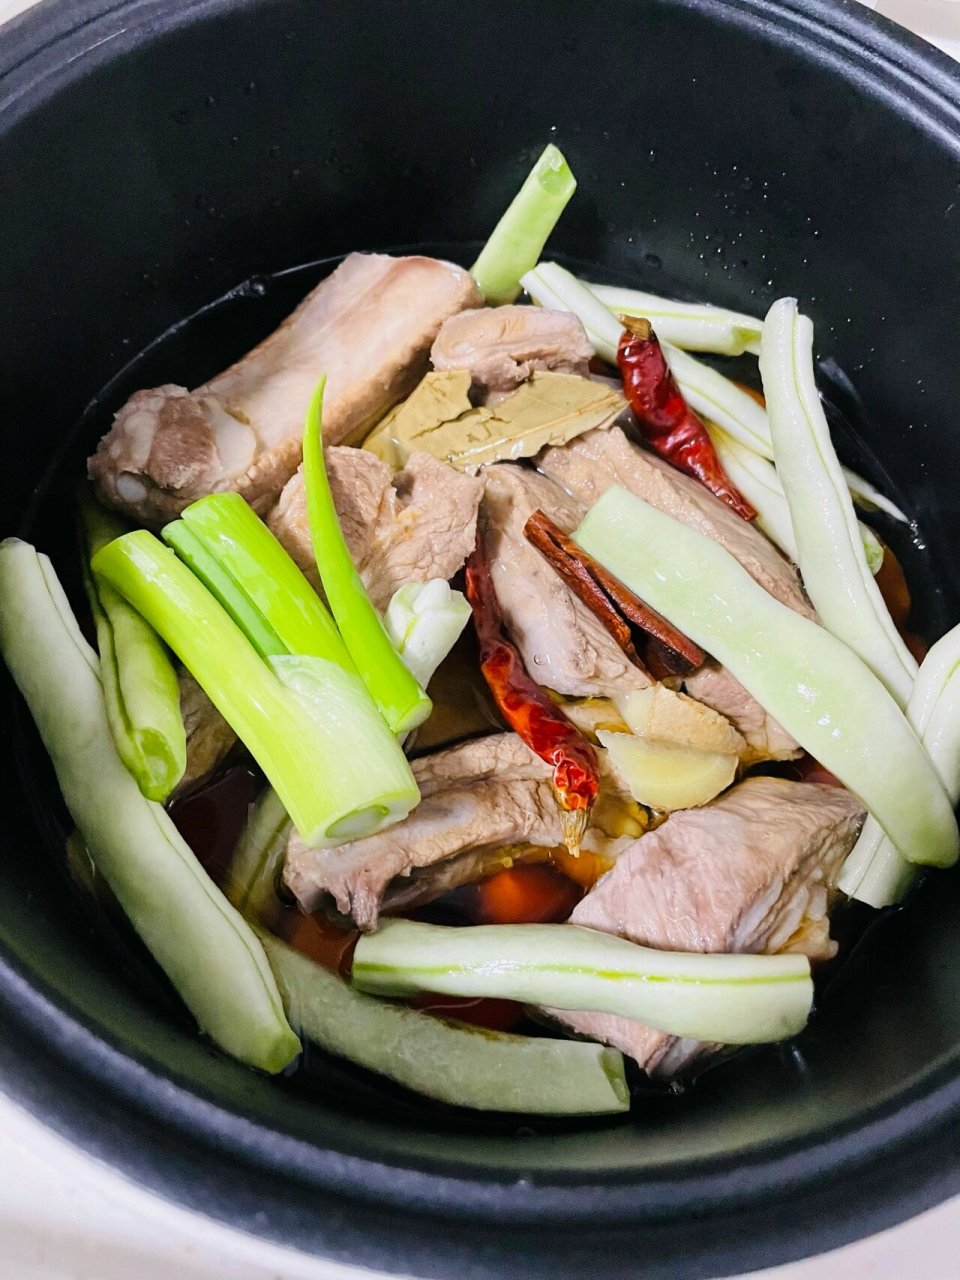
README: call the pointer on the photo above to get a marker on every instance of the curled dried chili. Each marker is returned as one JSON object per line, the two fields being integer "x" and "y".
{"x": 527, "y": 708}
{"x": 669, "y": 425}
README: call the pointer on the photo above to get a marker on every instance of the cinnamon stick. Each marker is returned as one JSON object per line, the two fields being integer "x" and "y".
{"x": 645, "y": 636}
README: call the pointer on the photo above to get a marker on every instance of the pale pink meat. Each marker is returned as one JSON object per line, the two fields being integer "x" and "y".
{"x": 502, "y": 346}
{"x": 417, "y": 524}
{"x": 591, "y": 463}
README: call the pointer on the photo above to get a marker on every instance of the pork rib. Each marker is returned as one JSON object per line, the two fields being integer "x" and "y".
{"x": 368, "y": 327}
{"x": 478, "y": 800}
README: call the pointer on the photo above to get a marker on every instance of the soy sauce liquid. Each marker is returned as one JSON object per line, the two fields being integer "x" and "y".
{"x": 193, "y": 351}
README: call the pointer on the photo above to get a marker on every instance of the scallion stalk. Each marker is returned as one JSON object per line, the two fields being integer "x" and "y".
{"x": 461, "y": 1065}
{"x": 246, "y": 549}
{"x": 402, "y": 702}
{"x": 203, "y": 945}
{"x": 809, "y": 681}
{"x": 830, "y": 551}
{"x": 140, "y": 686}
{"x": 733, "y": 999}
{"x": 307, "y": 721}
{"x": 875, "y": 872}
{"x": 692, "y": 326}
{"x": 518, "y": 238}
{"x": 223, "y": 587}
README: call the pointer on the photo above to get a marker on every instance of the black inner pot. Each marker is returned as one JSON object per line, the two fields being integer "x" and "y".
{"x": 158, "y": 155}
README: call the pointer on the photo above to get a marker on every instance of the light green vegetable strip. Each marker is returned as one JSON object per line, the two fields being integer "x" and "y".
{"x": 518, "y": 238}
{"x": 720, "y": 401}
{"x": 202, "y": 944}
{"x": 258, "y": 858}
{"x": 830, "y": 550}
{"x": 424, "y": 620}
{"x": 809, "y": 681}
{"x": 874, "y": 872}
{"x": 308, "y": 723}
{"x": 402, "y": 702}
{"x": 693, "y": 326}
{"x": 717, "y": 399}
{"x": 140, "y": 686}
{"x": 248, "y": 551}
{"x": 454, "y": 1063}
{"x": 224, "y": 588}
{"x": 757, "y": 480}
{"x": 733, "y": 999}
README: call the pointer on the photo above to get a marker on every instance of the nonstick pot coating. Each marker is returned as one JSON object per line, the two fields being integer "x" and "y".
{"x": 159, "y": 154}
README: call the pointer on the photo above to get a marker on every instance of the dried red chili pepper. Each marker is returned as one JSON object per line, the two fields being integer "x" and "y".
{"x": 669, "y": 425}
{"x": 527, "y": 708}
{"x": 645, "y": 636}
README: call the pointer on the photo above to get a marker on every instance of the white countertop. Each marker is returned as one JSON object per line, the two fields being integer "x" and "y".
{"x": 64, "y": 1216}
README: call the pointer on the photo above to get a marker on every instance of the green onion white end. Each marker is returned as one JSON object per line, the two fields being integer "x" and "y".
{"x": 424, "y": 620}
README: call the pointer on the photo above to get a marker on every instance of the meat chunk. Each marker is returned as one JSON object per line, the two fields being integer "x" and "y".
{"x": 410, "y": 527}
{"x": 478, "y": 800}
{"x": 749, "y": 872}
{"x": 368, "y": 327}
{"x": 591, "y": 463}
{"x": 502, "y": 346}
{"x": 562, "y": 644}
